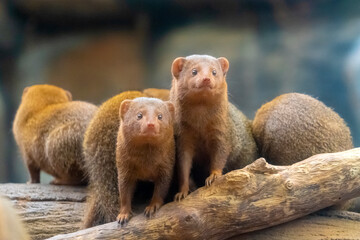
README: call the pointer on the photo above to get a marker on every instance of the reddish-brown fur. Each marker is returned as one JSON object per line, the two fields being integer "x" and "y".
{"x": 163, "y": 94}
{"x": 145, "y": 151}
{"x": 49, "y": 128}
{"x": 100, "y": 160}
{"x": 211, "y": 132}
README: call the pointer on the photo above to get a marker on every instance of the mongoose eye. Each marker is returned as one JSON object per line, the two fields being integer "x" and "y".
{"x": 214, "y": 72}
{"x": 194, "y": 72}
{"x": 139, "y": 116}
{"x": 160, "y": 116}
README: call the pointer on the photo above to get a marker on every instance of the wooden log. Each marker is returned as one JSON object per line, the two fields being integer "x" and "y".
{"x": 322, "y": 225}
{"x": 50, "y": 210}
{"x": 256, "y": 197}
{"x": 47, "y": 210}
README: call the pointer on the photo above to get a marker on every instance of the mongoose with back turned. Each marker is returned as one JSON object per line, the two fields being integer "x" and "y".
{"x": 145, "y": 151}
{"x": 211, "y": 132}
{"x": 49, "y": 128}
{"x": 102, "y": 204}
{"x": 294, "y": 126}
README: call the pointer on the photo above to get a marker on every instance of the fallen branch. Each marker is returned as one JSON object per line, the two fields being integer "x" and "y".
{"x": 47, "y": 210}
{"x": 256, "y": 197}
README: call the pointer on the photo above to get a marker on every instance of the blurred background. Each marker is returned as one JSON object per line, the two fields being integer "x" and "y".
{"x": 98, "y": 48}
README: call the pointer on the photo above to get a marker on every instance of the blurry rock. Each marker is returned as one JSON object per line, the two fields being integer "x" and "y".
{"x": 93, "y": 67}
{"x": 8, "y": 30}
{"x": 3, "y": 169}
{"x": 78, "y": 9}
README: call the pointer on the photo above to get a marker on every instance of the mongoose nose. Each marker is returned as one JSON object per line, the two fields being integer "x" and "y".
{"x": 206, "y": 80}
{"x": 151, "y": 125}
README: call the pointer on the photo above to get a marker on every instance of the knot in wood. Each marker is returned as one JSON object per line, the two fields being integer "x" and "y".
{"x": 354, "y": 172}
{"x": 289, "y": 185}
{"x": 261, "y": 166}
{"x": 188, "y": 218}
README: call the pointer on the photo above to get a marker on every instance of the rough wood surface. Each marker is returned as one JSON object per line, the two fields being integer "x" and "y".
{"x": 256, "y": 197}
{"x": 321, "y": 225}
{"x": 324, "y": 225}
{"x": 47, "y": 210}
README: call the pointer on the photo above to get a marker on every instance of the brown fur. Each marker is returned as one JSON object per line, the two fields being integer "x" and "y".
{"x": 211, "y": 132}
{"x": 163, "y": 94}
{"x": 11, "y": 227}
{"x": 145, "y": 151}
{"x": 49, "y": 129}
{"x": 293, "y": 127}
{"x": 100, "y": 162}
{"x": 99, "y": 150}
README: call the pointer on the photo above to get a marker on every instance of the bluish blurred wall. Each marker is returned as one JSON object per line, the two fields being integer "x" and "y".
{"x": 99, "y": 48}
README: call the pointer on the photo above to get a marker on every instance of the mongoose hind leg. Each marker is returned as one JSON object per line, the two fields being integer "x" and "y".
{"x": 34, "y": 173}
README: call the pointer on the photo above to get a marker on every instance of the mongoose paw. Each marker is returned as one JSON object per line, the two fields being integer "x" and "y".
{"x": 123, "y": 218}
{"x": 151, "y": 209}
{"x": 32, "y": 181}
{"x": 57, "y": 181}
{"x": 211, "y": 179}
{"x": 181, "y": 195}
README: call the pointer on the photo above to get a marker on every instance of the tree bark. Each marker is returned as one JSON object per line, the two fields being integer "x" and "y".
{"x": 326, "y": 224}
{"x": 321, "y": 225}
{"x": 47, "y": 210}
{"x": 256, "y": 197}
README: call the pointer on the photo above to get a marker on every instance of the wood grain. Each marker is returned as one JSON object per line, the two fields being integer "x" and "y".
{"x": 256, "y": 197}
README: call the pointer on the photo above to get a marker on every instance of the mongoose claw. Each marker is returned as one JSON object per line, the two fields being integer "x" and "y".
{"x": 151, "y": 209}
{"x": 123, "y": 218}
{"x": 211, "y": 179}
{"x": 180, "y": 196}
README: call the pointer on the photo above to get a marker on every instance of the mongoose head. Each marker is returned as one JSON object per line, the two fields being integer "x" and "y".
{"x": 199, "y": 76}
{"x": 45, "y": 94}
{"x": 146, "y": 120}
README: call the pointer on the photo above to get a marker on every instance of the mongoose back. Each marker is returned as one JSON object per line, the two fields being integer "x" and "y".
{"x": 145, "y": 151}
{"x": 211, "y": 132}
{"x": 163, "y": 94}
{"x": 11, "y": 227}
{"x": 49, "y": 129}
{"x": 293, "y": 127}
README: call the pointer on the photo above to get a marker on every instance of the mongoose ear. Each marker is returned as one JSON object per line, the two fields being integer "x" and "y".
{"x": 224, "y": 63}
{"x": 177, "y": 66}
{"x": 124, "y": 107}
{"x": 69, "y": 95}
{"x": 25, "y": 90}
{"x": 171, "y": 108}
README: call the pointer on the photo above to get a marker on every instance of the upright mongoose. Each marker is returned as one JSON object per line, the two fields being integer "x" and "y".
{"x": 11, "y": 227}
{"x": 145, "y": 151}
{"x": 211, "y": 132}
{"x": 49, "y": 128}
{"x": 99, "y": 149}
{"x": 294, "y": 126}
